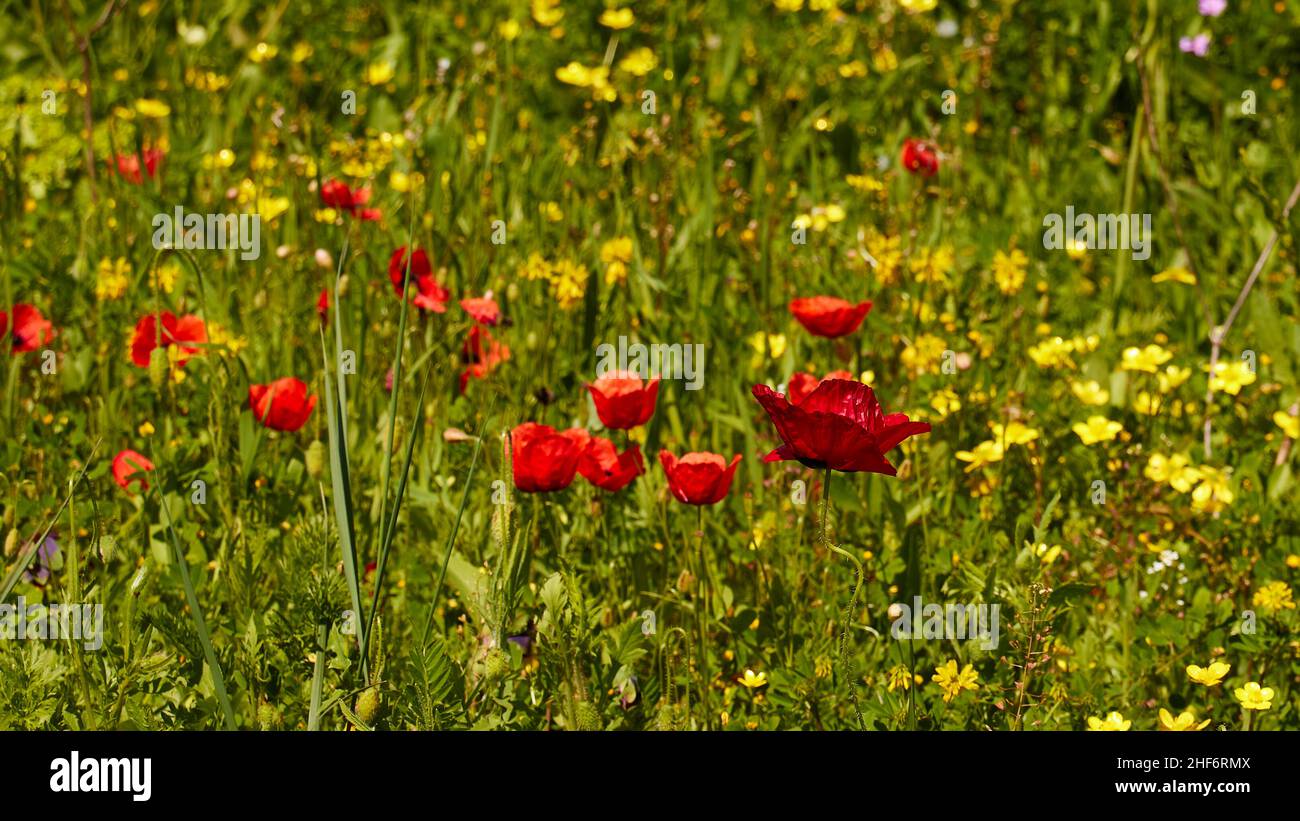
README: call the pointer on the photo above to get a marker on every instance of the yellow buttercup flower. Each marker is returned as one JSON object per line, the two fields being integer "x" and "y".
{"x": 1274, "y": 596}
{"x": 112, "y": 278}
{"x": 985, "y": 453}
{"x": 1090, "y": 393}
{"x": 1114, "y": 722}
{"x": 1053, "y": 353}
{"x": 616, "y": 18}
{"x": 1229, "y": 377}
{"x": 1175, "y": 470}
{"x": 1214, "y": 493}
{"x": 639, "y": 62}
{"x": 1009, "y": 270}
{"x": 1097, "y": 429}
{"x": 1208, "y": 676}
{"x": 1014, "y": 433}
{"x": 155, "y": 109}
{"x": 1175, "y": 274}
{"x": 945, "y": 402}
{"x": 953, "y": 682}
{"x": 380, "y": 72}
{"x": 146, "y": 428}
{"x": 263, "y": 52}
{"x": 1289, "y": 424}
{"x": 753, "y": 680}
{"x": 1254, "y": 697}
{"x": 547, "y": 12}
{"x": 1147, "y": 359}
{"x": 1172, "y": 376}
{"x": 1186, "y": 721}
{"x": 918, "y": 6}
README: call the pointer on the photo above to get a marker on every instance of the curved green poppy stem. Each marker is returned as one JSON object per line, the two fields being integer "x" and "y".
{"x": 851, "y": 607}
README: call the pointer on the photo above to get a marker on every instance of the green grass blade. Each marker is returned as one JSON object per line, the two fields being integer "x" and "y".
{"x": 200, "y": 624}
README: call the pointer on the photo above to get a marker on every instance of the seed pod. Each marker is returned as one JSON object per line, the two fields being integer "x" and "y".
{"x": 107, "y": 548}
{"x": 158, "y": 367}
{"x": 269, "y": 718}
{"x": 315, "y": 459}
{"x": 11, "y": 543}
{"x": 369, "y": 706}
{"x": 589, "y": 720}
{"x": 497, "y": 665}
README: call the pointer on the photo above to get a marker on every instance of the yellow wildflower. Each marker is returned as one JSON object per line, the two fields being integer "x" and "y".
{"x": 1097, "y": 429}
{"x": 985, "y": 453}
{"x": 1009, "y": 270}
{"x": 953, "y": 682}
{"x": 1289, "y": 424}
{"x": 1274, "y": 596}
{"x": 1090, "y": 393}
{"x": 1186, "y": 721}
{"x": 1254, "y": 697}
{"x": 753, "y": 680}
{"x": 111, "y": 278}
{"x": 1114, "y": 722}
{"x": 1208, "y": 676}
{"x": 1230, "y": 377}
{"x": 1146, "y": 359}
{"x": 1175, "y": 470}
{"x": 616, "y": 18}
{"x": 1175, "y": 274}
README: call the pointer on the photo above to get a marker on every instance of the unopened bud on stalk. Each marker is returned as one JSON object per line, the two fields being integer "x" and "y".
{"x": 589, "y": 720}
{"x": 11, "y": 543}
{"x": 369, "y": 706}
{"x": 315, "y": 459}
{"x": 107, "y": 548}
{"x": 158, "y": 367}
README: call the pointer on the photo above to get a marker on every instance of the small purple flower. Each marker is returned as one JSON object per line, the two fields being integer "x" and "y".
{"x": 40, "y": 569}
{"x": 1198, "y": 45}
{"x": 1212, "y": 8}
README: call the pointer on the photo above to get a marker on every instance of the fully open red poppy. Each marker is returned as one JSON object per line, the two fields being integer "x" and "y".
{"x": 840, "y": 426}
{"x": 128, "y": 467}
{"x": 175, "y": 331}
{"x": 698, "y": 478}
{"x": 281, "y": 405}
{"x": 603, "y": 466}
{"x": 828, "y": 316}
{"x": 920, "y": 157}
{"x": 623, "y": 400}
{"x": 803, "y": 383}
{"x": 544, "y": 459}
{"x": 431, "y": 296}
{"x": 30, "y": 329}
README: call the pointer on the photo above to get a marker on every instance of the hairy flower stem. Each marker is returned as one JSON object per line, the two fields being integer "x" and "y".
{"x": 846, "y": 667}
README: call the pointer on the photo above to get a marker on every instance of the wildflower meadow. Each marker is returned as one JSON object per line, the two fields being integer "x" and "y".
{"x": 659, "y": 365}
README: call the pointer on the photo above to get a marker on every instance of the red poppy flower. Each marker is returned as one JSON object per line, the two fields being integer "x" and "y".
{"x": 920, "y": 157}
{"x": 30, "y": 329}
{"x": 604, "y": 467}
{"x": 128, "y": 165}
{"x": 828, "y": 316}
{"x": 323, "y": 305}
{"x": 623, "y": 400}
{"x": 431, "y": 296}
{"x": 281, "y": 405}
{"x": 698, "y": 478}
{"x": 336, "y": 194}
{"x": 175, "y": 331}
{"x": 544, "y": 459}
{"x": 481, "y": 354}
{"x": 801, "y": 384}
{"x": 839, "y": 426}
{"x": 128, "y": 467}
{"x": 484, "y": 309}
